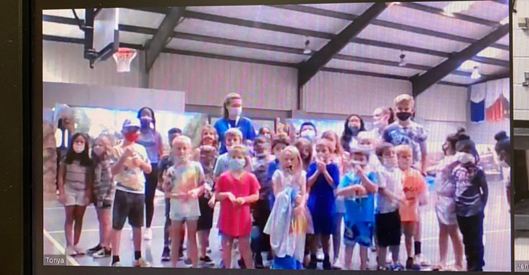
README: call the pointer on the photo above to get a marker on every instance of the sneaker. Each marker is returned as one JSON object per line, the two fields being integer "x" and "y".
{"x": 313, "y": 263}
{"x": 396, "y": 267}
{"x": 382, "y": 268}
{"x": 420, "y": 260}
{"x": 147, "y": 235}
{"x": 320, "y": 255}
{"x": 258, "y": 261}
{"x": 206, "y": 261}
{"x": 389, "y": 259}
{"x": 140, "y": 263}
{"x": 102, "y": 253}
{"x": 79, "y": 251}
{"x": 116, "y": 264}
{"x": 410, "y": 265}
{"x": 70, "y": 251}
{"x": 327, "y": 263}
{"x": 166, "y": 254}
{"x": 337, "y": 264}
{"x": 188, "y": 263}
{"x": 94, "y": 249}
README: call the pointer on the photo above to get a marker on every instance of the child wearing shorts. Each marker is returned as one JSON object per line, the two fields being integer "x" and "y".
{"x": 183, "y": 184}
{"x": 358, "y": 187}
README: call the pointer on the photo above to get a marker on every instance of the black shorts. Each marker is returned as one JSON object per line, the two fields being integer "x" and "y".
{"x": 127, "y": 205}
{"x": 205, "y": 221}
{"x": 261, "y": 213}
{"x": 388, "y": 229}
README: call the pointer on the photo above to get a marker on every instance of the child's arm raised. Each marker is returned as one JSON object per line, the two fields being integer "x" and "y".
{"x": 119, "y": 161}
{"x": 314, "y": 172}
{"x": 332, "y": 175}
{"x": 367, "y": 181}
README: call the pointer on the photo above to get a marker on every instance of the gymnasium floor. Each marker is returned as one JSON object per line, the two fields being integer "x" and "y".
{"x": 497, "y": 235}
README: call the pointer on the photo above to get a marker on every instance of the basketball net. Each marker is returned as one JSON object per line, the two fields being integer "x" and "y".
{"x": 123, "y": 58}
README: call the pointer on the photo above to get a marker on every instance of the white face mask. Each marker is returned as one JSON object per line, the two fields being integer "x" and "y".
{"x": 465, "y": 158}
{"x": 78, "y": 148}
{"x": 237, "y": 111}
{"x": 309, "y": 134}
{"x": 390, "y": 162}
{"x": 208, "y": 147}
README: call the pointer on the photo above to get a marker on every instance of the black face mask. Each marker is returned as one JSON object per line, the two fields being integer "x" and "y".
{"x": 403, "y": 116}
{"x": 354, "y": 130}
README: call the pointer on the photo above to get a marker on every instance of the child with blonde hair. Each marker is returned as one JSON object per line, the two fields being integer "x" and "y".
{"x": 236, "y": 190}
{"x": 289, "y": 220}
{"x": 323, "y": 178}
{"x": 413, "y": 186}
{"x": 184, "y": 184}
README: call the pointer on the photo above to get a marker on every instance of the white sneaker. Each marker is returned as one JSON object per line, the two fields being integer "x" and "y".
{"x": 79, "y": 251}
{"x": 116, "y": 264}
{"x": 70, "y": 251}
{"x": 420, "y": 260}
{"x": 320, "y": 255}
{"x": 147, "y": 235}
{"x": 337, "y": 264}
{"x": 141, "y": 263}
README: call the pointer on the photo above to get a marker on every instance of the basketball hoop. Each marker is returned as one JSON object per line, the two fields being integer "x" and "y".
{"x": 123, "y": 57}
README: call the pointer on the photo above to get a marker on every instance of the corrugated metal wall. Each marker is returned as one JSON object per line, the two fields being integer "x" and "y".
{"x": 340, "y": 93}
{"x": 443, "y": 103}
{"x": 206, "y": 81}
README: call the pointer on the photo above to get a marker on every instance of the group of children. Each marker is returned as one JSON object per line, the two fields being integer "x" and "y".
{"x": 287, "y": 197}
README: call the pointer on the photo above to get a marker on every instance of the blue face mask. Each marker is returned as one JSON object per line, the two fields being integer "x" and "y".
{"x": 236, "y": 165}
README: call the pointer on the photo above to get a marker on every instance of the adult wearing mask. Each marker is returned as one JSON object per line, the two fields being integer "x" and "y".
{"x": 152, "y": 141}
{"x": 503, "y": 150}
{"x": 353, "y": 125}
{"x": 308, "y": 130}
{"x": 382, "y": 117}
{"x": 232, "y": 118}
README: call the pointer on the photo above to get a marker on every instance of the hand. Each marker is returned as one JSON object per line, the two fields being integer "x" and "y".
{"x": 136, "y": 161}
{"x": 240, "y": 201}
{"x": 321, "y": 166}
{"x": 232, "y": 198}
{"x": 129, "y": 152}
{"x": 62, "y": 198}
{"x": 358, "y": 170}
{"x": 211, "y": 203}
{"x": 193, "y": 194}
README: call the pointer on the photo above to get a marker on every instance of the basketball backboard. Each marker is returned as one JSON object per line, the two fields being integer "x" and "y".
{"x": 101, "y": 34}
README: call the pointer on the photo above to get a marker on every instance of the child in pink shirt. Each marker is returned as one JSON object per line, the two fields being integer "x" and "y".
{"x": 236, "y": 190}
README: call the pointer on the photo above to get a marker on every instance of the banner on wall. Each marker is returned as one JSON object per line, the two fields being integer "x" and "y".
{"x": 490, "y": 101}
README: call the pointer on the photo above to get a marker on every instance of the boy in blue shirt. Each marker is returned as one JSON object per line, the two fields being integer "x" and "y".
{"x": 405, "y": 131}
{"x": 359, "y": 188}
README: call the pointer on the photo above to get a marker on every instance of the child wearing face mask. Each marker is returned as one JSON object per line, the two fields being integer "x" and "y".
{"x": 445, "y": 204}
{"x": 289, "y": 220}
{"x": 261, "y": 209}
{"x": 353, "y": 125}
{"x": 323, "y": 178}
{"x": 308, "y": 131}
{"x": 206, "y": 154}
{"x": 184, "y": 183}
{"x": 358, "y": 187}
{"x": 129, "y": 163}
{"x": 471, "y": 198}
{"x": 236, "y": 190}
{"x": 233, "y": 137}
{"x": 413, "y": 187}
{"x": 103, "y": 191}
{"x": 503, "y": 150}
{"x": 387, "y": 218}
{"x": 382, "y": 117}
{"x": 405, "y": 131}
{"x": 75, "y": 188}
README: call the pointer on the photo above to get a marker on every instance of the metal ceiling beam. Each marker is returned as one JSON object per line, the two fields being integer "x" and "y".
{"x": 460, "y": 16}
{"x": 262, "y": 46}
{"x": 164, "y": 32}
{"x": 318, "y": 34}
{"x": 318, "y": 60}
{"x": 80, "y": 41}
{"x": 387, "y": 24}
{"x": 423, "y": 82}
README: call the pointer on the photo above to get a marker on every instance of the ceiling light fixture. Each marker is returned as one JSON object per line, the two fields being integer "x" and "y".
{"x": 307, "y": 50}
{"x": 402, "y": 62}
{"x": 475, "y": 74}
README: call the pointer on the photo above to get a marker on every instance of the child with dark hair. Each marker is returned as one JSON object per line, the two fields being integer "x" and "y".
{"x": 75, "y": 184}
{"x": 471, "y": 198}
{"x": 503, "y": 150}
{"x": 308, "y": 130}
